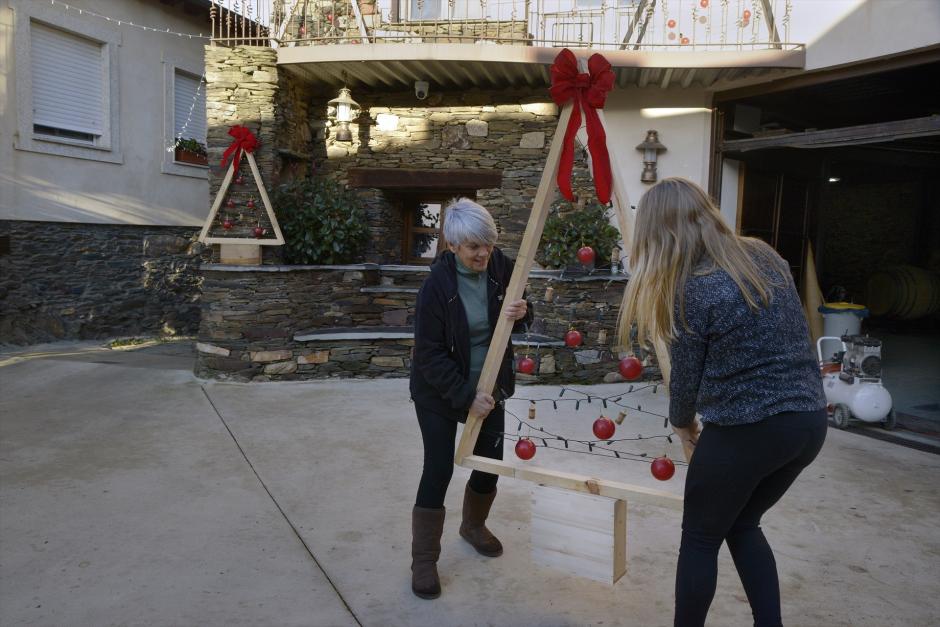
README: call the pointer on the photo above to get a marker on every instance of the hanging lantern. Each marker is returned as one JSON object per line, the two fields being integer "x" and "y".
{"x": 343, "y": 110}
{"x": 651, "y": 149}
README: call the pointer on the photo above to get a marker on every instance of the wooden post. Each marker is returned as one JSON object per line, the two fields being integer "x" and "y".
{"x": 527, "y": 249}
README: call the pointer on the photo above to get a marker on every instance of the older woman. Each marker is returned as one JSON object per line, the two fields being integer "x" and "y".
{"x": 455, "y": 315}
{"x": 741, "y": 357}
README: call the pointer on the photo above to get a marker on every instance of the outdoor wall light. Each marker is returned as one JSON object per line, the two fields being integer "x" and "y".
{"x": 651, "y": 149}
{"x": 343, "y": 110}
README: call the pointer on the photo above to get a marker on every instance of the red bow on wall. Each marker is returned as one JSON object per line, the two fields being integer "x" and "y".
{"x": 589, "y": 92}
{"x": 244, "y": 141}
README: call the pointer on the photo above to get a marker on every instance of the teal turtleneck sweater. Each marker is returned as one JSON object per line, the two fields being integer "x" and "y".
{"x": 472, "y": 288}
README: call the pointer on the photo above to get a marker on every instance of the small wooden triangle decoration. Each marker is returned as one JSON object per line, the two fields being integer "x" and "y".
{"x": 277, "y": 240}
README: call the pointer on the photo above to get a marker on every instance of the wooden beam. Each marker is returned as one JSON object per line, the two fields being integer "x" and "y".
{"x": 524, "y": 258}
{"x": 576, "y": 482}
{"x": 419, "y": 178}
{"x": 834, "y": 137}
{"x": 930, "y": 54}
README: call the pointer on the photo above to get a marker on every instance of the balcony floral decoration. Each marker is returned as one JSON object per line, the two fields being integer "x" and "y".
{"x": 190, "y": 151}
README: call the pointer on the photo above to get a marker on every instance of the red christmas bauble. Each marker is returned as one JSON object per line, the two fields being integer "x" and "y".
{"x": 251, "y": 203}
{"x": 684, "y": 41}
{"x": 746, "y": 15}
{"x": 258, "y": 231}
{"x": 663, "y": 468}
{"x": 604, "y": 428}
{"x": 230, "y": 203}
{"x": 573, "y": 338}
{"x": 586, "y": 255}
{"x": 526, "y": 365}
{"x": 630, "y": 368}
{"x": 525, "y": 449}
{"x": 671, "y": 23}
{"x": 703, "y": 4}
{"x": 227, "y": 224}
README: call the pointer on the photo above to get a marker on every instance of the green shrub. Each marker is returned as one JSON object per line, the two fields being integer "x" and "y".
{"x": 323, "y": 222}
{"x": 568, "y": 228}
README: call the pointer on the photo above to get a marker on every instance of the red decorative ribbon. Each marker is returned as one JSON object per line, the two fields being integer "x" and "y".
{"x": 588, "y": 91}
{"x": 244, "y": 141}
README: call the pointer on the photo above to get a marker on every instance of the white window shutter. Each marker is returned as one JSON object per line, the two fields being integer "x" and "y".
{"x": 185, "y": 88}
{"x": 68, "y": 80}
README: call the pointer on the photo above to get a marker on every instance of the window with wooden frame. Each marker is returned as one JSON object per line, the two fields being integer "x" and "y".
{"x": 423, "y": 216}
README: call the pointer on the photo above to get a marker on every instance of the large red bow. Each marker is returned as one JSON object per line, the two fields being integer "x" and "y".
{"x": 589, "y": 92}
{"x": 244, "y": 141}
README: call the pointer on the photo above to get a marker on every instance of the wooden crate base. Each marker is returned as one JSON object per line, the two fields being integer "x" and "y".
{"x": 580, "y": 534}
{"x": 240, "y": 254}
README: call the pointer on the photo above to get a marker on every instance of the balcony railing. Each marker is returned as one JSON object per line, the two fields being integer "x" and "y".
{"x": 647, "y": 25}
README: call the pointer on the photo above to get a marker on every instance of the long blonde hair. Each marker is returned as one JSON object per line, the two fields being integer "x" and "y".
{"x": 677, "y": 228}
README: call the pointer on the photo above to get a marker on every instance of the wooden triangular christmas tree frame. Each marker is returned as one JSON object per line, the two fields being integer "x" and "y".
{"x": 277, "y": 240}
{"x": 523, "y": 264}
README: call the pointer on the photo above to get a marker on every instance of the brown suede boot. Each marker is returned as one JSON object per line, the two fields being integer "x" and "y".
{"x": 427, "y": 525}
{"x": 476, "y": 507}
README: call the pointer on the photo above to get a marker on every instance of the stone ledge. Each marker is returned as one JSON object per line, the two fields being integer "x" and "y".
{"x": 355, "y": 333}
{"x": 388, "y": 289}
{"x": 556, "y": 275}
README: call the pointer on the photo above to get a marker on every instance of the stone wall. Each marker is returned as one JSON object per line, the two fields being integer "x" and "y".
{"x": 241, "y": 88}
{"x": 469, "y": 31}
{"x": 506, "y": 130}
{"x": 253, "y": 315}
{"x": 86, "y": 281}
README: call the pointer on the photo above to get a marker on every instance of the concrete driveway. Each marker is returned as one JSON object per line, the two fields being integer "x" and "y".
{"x": 132, "y": 493}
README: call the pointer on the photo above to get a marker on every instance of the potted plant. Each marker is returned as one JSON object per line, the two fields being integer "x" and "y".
{"x": 190, "y": 151}
{"x": 323, "y": 222}
{"x": 570, "y": 227}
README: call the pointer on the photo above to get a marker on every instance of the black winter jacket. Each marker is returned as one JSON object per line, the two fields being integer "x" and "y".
{"x": 440, "y": 367}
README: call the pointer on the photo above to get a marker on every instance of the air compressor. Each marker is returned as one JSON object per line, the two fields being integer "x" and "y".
{"x": 852, "y": 382}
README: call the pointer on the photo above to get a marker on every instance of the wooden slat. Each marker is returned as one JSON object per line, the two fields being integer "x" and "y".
{"x": 526, "y": 255}
{"x": 419, "y": 178}
{"x": 861, "y": 134}
{"x": 573, "y": 481}
{"x": 579, "y": 534}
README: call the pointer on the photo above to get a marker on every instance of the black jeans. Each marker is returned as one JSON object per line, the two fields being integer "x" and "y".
{"x": 438, "y": 434}
{"x": 737, "y": 473}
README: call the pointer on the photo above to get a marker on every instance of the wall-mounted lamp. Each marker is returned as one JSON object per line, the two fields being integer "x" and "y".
{"x": 343, "y": 110}
{"x": 651, "y": 149}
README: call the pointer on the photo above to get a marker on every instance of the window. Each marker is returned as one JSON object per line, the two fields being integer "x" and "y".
{"x": 184, "y": 115}
{"x": 443, "y": 9}
{"x": 66, "y": 84}
{"x": 68, "y": 90}
{"x": 189, "y": 107}
{"x": 423, "y": 217}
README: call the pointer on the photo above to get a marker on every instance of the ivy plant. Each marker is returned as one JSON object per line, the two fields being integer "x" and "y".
{"x": 322, "y": 222}
{"x": 569, "y": 227}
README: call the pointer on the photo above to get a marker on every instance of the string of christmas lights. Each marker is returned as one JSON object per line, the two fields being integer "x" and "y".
{"x": 594, "y": 447}
{"x": 123, "y": 22}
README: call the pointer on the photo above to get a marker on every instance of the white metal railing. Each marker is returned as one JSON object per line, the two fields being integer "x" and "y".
{"x": 676, "y": 25}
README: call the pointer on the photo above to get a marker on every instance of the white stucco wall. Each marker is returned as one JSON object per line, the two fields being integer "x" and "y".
{"x": 683, "y": 119}
{"x": 131, "y": 187}
{"x": 837, "y": 32}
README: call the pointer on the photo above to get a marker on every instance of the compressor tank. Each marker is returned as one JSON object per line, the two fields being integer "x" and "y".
{"x": 868, "y": 401}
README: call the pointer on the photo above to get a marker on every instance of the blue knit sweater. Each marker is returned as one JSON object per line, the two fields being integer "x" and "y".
{"x": 738, "y": 366}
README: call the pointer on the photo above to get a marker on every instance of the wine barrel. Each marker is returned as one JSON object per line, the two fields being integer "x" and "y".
{"x": 903, "y": 292}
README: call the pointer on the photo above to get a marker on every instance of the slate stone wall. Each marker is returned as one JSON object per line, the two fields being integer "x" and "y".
{"x": 251, "y": 317}
{"x": 86, "y": 281}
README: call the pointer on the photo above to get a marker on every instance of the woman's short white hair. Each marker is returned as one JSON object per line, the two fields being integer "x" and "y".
{"x": 466, "y": 221}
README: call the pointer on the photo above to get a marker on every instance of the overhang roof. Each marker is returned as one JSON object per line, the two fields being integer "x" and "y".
{"x": 395, "y": 66}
